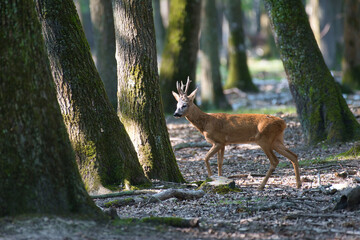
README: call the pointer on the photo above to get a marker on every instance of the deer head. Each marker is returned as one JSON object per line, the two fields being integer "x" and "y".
{"x": 184, "y": 101}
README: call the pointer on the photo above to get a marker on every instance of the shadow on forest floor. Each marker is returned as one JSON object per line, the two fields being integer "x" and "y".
{"x": 279, "y": 212}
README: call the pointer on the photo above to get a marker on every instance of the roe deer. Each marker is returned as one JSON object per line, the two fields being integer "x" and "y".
{"x": 221, "y": 129}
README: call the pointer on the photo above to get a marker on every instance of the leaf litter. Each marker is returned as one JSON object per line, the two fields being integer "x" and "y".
{"x": 279, "y": 212}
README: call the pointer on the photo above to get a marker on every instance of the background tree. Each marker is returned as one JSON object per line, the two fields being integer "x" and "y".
{"x": 104, "y": 38}
{"x": 323, "y": 112}
{"x": 326, "y": 20}
{"x": 239, "y": 74}
{"x": 212, "y": 95}
{"x": 85, "y": 18}
{"x": 104, "y": 152}
{"x": 331, "y": 29}
{"x": 181, "y": 46}
{"x": 159, "y": 27}
{"x": 140, "y": 107}
{"x": 37, "y": 166}
{"x": 351, "y": 61}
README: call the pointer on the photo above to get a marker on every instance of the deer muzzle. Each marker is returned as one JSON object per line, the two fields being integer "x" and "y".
{"x": 177, "y": 115}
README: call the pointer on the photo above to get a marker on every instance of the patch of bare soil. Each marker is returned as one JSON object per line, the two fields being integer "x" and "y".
{"x": 279, "y": 212}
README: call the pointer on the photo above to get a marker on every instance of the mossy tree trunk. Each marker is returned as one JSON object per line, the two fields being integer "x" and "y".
{"x": 37, "y": 165}
{"x": 351, "y": 62}
{"x": 239, "y": 74}
{"x": 323, "y": 112}
{"x": 212, "y": 94}
{"x": 139, "y": 99}
{"x": 179, "y": 56}
{"x": 104, "y": 151}
{"x": 104, "y": 38}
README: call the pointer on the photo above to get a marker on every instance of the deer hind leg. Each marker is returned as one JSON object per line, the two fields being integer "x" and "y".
{"x": 220, "y": 160}
{"x": 214, "y": 149}
{"x": 274, "y": 161}
{"x": 280, "y": 148}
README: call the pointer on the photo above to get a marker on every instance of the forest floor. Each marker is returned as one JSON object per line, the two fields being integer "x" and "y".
{"x": 279, "y": 212}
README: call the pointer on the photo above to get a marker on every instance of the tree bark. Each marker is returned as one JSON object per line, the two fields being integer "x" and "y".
{"x": 139, "y": 100}
{"x": 323, "y": 112}
{"x": 104, "y": 38}
{"x": 37, "y": 165}
{"x": 351, "y": 62}
{"x": 212, "y": 95}
{"x": 104, "y": 152}
{"x": 239, "y": 75}
{"x": 181, "y": 46}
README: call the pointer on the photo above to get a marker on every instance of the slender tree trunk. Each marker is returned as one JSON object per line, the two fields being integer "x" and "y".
{"x": 323, "y": 112}
{"x": 351, "y": 62}
{"x": 139, "y": 102}
{"x": 331, "y": 26}
{"x": 159, "y": 27}
{"x": 212, "y": 95}
{"x": 181, "y": 46}
{"x": 37, "y": 165}
{"x": 104, "y": 38}
{"x": 86, "y": 22}
{"x": 314, "y": 19}
{"x": 104, "y": 152}
{"x": 239, "y": 75}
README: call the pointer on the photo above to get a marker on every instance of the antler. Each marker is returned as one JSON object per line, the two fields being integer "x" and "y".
{"x": 180, "y": 88}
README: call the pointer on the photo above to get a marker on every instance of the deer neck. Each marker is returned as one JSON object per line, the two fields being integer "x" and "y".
{"x": 197, "y": 117}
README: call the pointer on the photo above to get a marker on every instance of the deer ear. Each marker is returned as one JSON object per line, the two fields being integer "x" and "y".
{"x": 176, "y": 96}
{"x": 193, "y": 95}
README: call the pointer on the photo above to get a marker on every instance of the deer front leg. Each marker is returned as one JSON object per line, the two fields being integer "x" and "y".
{"x": 220, "y": 160}
{"x": 214, "y": 149}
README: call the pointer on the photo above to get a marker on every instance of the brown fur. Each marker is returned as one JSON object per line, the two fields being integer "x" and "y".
{"x": 221, "y": 129}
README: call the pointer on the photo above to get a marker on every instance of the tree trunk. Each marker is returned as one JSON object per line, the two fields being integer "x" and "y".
{"x": 314, "y": 19}
{"x": 104, "y": 38}
{"x": 212, "y": 95}
{"x": 104, "y": 152}
{"x": 86, "y": 22}
{"x": 351, "y": 62}
{"x": 331, "y": 27}
{"x": 323, "y": 112}
{"x": 139, "y": 100}
{"x": 37, "y": 165}
{"x": 159, "y": 27}
{"x": 239, "y": 75}
{"x": 181, "y": 46}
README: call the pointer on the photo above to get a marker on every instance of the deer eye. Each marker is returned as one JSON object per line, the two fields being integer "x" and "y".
{"x": 184, "y": 106}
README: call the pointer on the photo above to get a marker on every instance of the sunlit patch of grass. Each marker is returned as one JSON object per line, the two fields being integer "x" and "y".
{"x": 351, "y": 154}
{"x": 266, "y": 69}
{"x": 259, "y": 68}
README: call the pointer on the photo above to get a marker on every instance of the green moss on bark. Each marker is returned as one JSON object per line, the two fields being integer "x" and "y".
{"x": 239, "y": 74}
{"x": 180, "y": 51}
{"x": 104, "y": 151}
{"x": 37, "y": 166}
{"x": 139, "y": 99}
{"x": 323, "y": 112}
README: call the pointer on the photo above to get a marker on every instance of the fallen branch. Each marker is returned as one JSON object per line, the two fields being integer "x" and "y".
{"x": 180, "y": 194}
{"x": 123, "y": 193}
